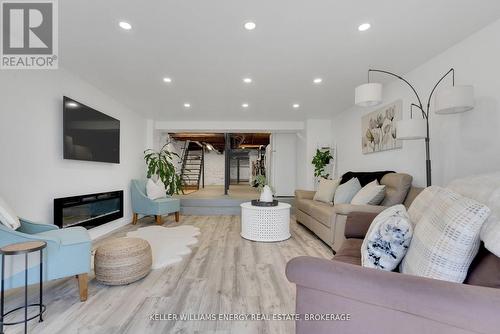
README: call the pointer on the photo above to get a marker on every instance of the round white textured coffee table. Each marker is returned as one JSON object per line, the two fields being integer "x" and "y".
{"x": 261, "y": 223}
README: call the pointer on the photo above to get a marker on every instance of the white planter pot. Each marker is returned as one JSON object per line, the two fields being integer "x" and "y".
{"x": 266, "y": 195}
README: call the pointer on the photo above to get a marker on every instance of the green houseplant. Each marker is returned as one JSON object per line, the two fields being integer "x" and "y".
{"x": 320, "y": 160}
{"x": 266, "y": 192}
{"x": 260, "y": 182}
{"x": 161, "y": 164}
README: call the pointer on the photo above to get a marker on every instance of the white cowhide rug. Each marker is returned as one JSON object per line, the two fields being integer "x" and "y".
{"x": 168, "y": 244}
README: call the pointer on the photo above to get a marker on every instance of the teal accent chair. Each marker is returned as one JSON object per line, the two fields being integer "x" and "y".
{"x": 67, "y": 253}
{"x": 142, "y": 205}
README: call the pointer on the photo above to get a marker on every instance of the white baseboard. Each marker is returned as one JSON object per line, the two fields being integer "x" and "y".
{"x": 104, "y": 229}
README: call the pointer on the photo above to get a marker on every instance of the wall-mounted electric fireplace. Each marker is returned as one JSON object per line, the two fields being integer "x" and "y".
{"x": 88, "y": 210}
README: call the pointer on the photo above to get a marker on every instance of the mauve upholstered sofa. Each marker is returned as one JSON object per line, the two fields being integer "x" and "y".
{"x": 390, "y": 302}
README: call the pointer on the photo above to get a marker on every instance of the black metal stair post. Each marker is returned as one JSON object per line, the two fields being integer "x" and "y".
{"x": 238, "y": 170}
{"x": 227, "y": 164}
{"x": 203, "y": 166}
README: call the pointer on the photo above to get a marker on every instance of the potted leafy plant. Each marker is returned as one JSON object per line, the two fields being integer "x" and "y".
{"x": 320, "y": 160}
{"x": 266, "y": 194}
{"x": 260, "y": 182}
{"x": 161, "y": 164}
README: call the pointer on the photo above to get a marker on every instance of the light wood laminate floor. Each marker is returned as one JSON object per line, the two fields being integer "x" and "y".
{"x": 224, "y": 274}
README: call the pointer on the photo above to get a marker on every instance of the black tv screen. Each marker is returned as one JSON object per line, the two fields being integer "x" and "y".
{"x": 89, "y": 134}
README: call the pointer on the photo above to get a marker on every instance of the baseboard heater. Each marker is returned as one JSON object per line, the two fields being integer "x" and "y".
{"x": 88, "y": 210}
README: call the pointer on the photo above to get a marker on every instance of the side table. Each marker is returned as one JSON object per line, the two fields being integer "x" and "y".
{"x": 16, "y": 249}
{"x": 265, "y": 223}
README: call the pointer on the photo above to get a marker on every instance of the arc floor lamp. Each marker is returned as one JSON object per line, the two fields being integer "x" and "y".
{"x": 450, "y": 100}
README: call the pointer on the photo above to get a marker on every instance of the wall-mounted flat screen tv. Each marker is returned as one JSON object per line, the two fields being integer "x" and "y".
{"x": 89, "y": 134}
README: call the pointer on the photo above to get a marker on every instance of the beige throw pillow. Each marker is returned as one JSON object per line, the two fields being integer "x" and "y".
{"x": 326, "y": 190}
{"x": 371, "y": 194}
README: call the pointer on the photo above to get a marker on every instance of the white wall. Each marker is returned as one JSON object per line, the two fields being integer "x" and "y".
{"x": 461, "y": 144}
{"x": 244, "y": 172}
{"x": 301, "y": 160}
{"x": 32, "y": 169}
{"x": 317, "y": 133}
{"x": 283, "y": 168}
{"x": 214, "y": 168}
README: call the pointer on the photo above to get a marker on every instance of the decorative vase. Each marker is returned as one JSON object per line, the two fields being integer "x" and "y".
{"x": 266, "y": 195}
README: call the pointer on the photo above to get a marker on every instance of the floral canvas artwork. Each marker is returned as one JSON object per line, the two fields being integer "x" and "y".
{"x": 379, "y": 129}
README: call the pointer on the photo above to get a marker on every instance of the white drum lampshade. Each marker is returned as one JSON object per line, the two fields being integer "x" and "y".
{"x": 454, "y": 99}
{"x": 368, "y": 95}
{"x": 410, "y": 129}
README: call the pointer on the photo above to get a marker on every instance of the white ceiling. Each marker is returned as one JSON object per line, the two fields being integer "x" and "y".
{"x": 202, "y": 46}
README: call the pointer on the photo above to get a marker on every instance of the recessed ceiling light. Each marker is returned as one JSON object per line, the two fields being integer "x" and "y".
{"x": 247, "y": 80}
{"x": 364, "y": 27}
{"x": 250, "y": 25}
{"x": 296, "y": 106}
{"x": 125, "y": 25}
{"x": 187, "y": 105}
{"x": 72, "y": 104}
{"x": 245, "y": 105}
{"x": 167, "y": 80}
{"x": 318, "y": 80}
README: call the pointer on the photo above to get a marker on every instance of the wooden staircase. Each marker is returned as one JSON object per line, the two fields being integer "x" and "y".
{"x": 192, "y": 166}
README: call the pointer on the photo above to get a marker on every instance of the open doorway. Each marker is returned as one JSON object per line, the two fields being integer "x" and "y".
{"x": 215, "y": 165}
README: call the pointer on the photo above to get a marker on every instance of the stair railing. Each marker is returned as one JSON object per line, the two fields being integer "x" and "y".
{"x": 202, "y": 166}
{"x": 184, "y": 159}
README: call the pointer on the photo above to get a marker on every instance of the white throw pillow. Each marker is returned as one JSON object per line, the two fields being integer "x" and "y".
{"x": 485, "y": 189}
{"x": 387, "y": 239}
{"x": 346, "y": 191}
{"x": 446, "y": 238}
{"x": 419, "y": 205}
{"x": 326, "y": 190}
{"x": 8, "y": 217}
{"x": 155, "y": 190}
{"x": 372, "y": 194}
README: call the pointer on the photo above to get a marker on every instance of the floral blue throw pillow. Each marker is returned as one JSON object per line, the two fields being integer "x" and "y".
{"x": 387, "y": 239}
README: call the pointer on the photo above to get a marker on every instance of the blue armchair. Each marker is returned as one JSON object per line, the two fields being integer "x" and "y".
{"x": 67, "y": 253}
{"x": 142, "y": 205}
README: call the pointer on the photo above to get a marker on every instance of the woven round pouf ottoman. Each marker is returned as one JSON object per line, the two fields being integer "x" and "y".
{"x": 122, "y": 261}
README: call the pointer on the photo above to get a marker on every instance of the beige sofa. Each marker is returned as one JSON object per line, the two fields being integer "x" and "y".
{"x": 327, "y": 221}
